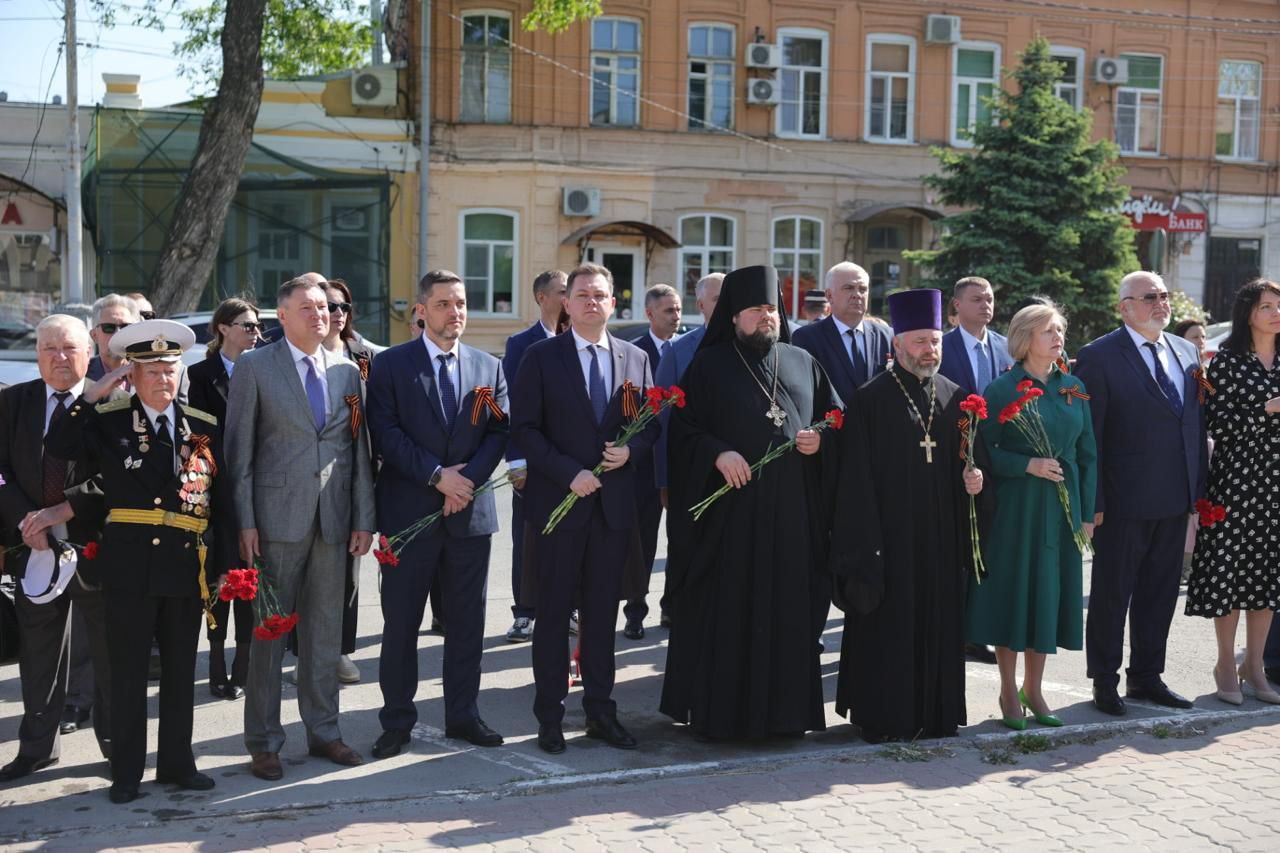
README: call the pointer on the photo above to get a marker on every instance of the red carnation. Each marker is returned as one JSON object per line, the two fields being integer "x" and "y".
{"x": 1010, "y": 412}
{"x": 1203, "y": 506}
{"x": 89, "y": 551}
{"x": 976, "y": 405}
{"x": 835, "y": 418}
{"x": 1219, "y": 513}
{"x": 655, "y": 395}
{"x": 1023, "y": 386}
{"x": 263, "y": 633}
{"x": 677, "y": 396}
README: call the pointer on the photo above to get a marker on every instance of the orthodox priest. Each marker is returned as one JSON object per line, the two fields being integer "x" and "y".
{"x": 900, "y": 548}
{"x": 742, "y": 661}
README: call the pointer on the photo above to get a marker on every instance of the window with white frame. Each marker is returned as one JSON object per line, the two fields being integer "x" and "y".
{"x": 1235, "y": 125}
{"x": 711, "y": 54}
{"x": 891, "y": 65}
{"x": 615, "y": 72}
{"x": 975, "y": 74}
{"x": 489, "y": 260}
{"x": 1138, "y": 106}
{"x": 1070, "y": 88}
{"x": 486, "y": 67}
{"x": 707, "y": 245}
{"x": 802, "y": 111}
{"x": 797, "y": 255}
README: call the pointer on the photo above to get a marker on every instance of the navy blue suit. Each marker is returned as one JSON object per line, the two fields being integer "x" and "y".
{"x": 822, "y": 341}
{"x": 669, "y": 372}
{"x": 957, "y": 367}
{"x": 554, "y": 426}
{"x": 517, "y": 344}
{"x": 409, "y": 431}
{"x": 648, "y": 501}
{"x": 1151, "y": 465}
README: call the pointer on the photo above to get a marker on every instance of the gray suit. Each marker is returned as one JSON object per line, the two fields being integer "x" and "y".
{"x": 305, "y": 491}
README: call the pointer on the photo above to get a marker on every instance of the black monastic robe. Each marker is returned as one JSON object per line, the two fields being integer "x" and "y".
{"x": 750, "y": 588}
{"x": 900, "y": 553}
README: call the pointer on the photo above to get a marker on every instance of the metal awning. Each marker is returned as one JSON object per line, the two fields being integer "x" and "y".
{"x": 870, "y": 211}
{"x": 652, "y": 234}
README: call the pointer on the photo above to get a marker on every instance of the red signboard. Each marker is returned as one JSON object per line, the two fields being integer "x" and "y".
{"x": 1148, "y": 214}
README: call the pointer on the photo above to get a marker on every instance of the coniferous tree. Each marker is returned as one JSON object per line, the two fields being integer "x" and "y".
{"x": 1041, "y": 205}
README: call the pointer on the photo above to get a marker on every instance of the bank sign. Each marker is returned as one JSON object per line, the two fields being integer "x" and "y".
{"x": 1146, "y": 213}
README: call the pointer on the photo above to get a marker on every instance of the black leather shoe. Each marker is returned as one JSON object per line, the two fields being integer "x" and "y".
{"x": 634, "y": 630}
{"x": 24, "y": 766}
{"x": 193, "y": 781}
{"x": 979, "y": 652}
{"x": 219, "y": 689}
{"x": 121, "y": 794}
{"x": 1159, "y": 693}
{"x": 73, "y": 718}
{"x": 474, "y": 732}
{"x": 234, "y": 692}
{"x": 609, "y": 730}
{"x": 1107, "y": 700}
{"x": 550, "y": 738}
{"x": 389, "y": 743}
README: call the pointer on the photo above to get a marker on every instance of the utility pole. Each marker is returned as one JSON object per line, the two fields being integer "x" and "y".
{"x": 74, "y": 294}
{"x": 375, "y": 29}
{"x": 424, "y": 136}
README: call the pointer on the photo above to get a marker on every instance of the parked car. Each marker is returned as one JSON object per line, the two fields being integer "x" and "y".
{"x": 633, "y": 330}
{"x": 17, "y": 366}
{"x": 199, "y": 322}
{"x": 1214, "y": 336}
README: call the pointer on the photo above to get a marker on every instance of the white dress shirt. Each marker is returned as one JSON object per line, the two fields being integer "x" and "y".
{"x": 603, "y": 358}
{"x": 301, "y": 365}
{"x": 970, "y": 344}
{"x": 434, "y": 352}
{"x": 548, "y": 332}
{"x": 49, "y": 401}
{"x": 859, "y": 336}
{"x": 1167, "y": 360}
{"x": 660, "y": 343}
{"x": 231, "y": 366}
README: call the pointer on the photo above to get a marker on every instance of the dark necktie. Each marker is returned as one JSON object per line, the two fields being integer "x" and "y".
{"x": 315, "y": 393}
{"x": 448, "y": 397}
{"x": 663, "y": 353}
{"x": 55, "y": 469}
{"x": 1162, "y": 379}
{"x": 595, "y": 385}
{"x": 859, "y": 364}
{"x": 163, "y": 437}
{"x": 984, "y": 367}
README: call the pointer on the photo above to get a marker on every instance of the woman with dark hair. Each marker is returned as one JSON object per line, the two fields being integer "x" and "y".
{"x": 235, "y": 328}
{"x": 1194, "y": 331}
{"x": 1236, "y": 565}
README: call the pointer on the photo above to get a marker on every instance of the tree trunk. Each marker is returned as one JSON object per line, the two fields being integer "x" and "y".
{"x": 192, "y": 241}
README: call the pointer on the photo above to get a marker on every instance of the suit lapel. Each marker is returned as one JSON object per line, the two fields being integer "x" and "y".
{"x": 334, "y": 379}
{"x": 29, "y": 461}
{"x": 957, "y": 345}
{"x": 578, "y": 388}
{"x": 1139, "y": 365}
{"x": 289, "y": 374}
{"x": 427, "y": 380}
{"x": 832, "y": 340}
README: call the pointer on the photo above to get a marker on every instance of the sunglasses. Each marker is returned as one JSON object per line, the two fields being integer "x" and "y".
{"x": 344, "y": 307}
{"x": 248, "y": 326}
{"x": 1149, "y": 298}
{"x": 147, "y": 315}
{"x": 112, "y": 328}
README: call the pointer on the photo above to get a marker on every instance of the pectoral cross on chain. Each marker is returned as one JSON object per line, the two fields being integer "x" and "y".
{"x": 776, "y": 415}
{"x": 928, "y": 444}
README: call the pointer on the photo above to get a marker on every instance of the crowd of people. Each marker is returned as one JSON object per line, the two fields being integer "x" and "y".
{"x": 941, "y": 488}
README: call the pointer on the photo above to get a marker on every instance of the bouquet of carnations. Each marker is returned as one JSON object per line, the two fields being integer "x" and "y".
{"x": 1024, "y": 413}
{"x": 975, "y": 408}
{"x": 255, "y": 585}
{"x": 833, "y": 419}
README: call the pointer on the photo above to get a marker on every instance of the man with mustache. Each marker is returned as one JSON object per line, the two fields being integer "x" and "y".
{"x": 753, "y": 589}
{"x": 900, "y": 549}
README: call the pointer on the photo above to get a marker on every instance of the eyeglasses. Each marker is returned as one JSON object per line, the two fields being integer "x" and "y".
{"x": 344, "y": 307}
{"x": 147, "y": 315}
{"x": 112, "y": 328}
{"x": 248, "y": 326}
{"x": 1150, "y": 298}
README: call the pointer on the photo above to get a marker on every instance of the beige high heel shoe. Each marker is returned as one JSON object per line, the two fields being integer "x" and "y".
{"x": 1263, "y": 694}
{"x": 1231, "y": 697}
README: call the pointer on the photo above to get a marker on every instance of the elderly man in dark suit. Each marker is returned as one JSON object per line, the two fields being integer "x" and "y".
{"x": 437, "y": 417}
{"x": 851, "y": 348}
{"x": 41, "y": 494}
{"x": 548, "y": 293}
{"x": 662, "y": 308}
{"x": 1152, "y": 456}
{"x": 303, "y": 479}
{"x": 567, "y": 411}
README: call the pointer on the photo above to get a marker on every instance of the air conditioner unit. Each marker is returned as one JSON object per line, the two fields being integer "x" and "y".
{"x": 942, "y": 29}
{"x": 581, "y": 201}
{"x": 1110, "y": 70}
{"x": 764, "y": 90}
{"x": 762, "y": 55}
{"x": 374, "y": 86}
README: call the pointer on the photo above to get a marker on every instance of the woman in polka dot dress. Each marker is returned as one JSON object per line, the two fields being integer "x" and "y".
{"x": 1236, "y": 565}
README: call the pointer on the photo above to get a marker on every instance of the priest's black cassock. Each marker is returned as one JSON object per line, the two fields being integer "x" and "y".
{"x": 900, "y": 552}
{"x": 752, "y": 589}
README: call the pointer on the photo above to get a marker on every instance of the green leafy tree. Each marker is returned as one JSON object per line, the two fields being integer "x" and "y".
{"x": 1040, "y": 203}
{"x": 556, "y": 15}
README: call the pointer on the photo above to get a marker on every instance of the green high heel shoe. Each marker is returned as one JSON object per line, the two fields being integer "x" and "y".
{"x": 1042, "y": 719}
{"x": 1018, "y": 724}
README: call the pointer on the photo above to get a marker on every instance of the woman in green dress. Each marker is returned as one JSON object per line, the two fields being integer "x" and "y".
{"x": 1031, "y": 598}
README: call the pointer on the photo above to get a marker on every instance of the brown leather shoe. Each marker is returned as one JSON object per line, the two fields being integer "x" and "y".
{"x": 266, "y": 765}
{"x": 337, "y": 752}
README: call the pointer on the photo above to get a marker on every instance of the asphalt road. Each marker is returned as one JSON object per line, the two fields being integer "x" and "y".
{"x": 73, "y": 793}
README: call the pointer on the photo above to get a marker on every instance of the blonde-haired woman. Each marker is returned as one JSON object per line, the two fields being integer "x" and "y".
{"x": 1031, "y": 600}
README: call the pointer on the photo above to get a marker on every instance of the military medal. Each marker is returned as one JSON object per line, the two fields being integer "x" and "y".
{"x": 141, "y": 431}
